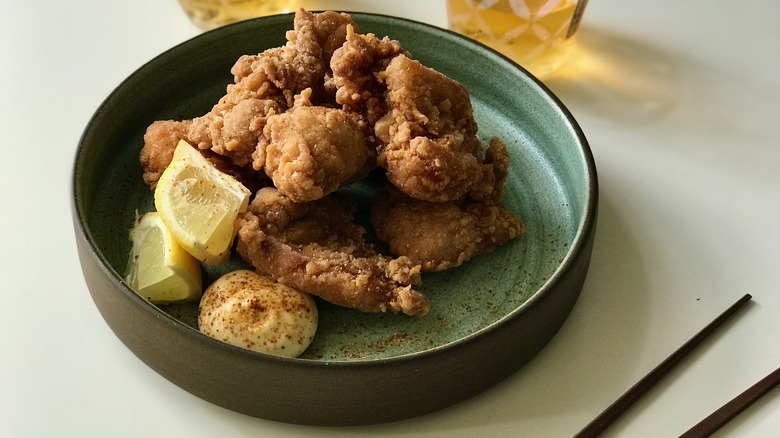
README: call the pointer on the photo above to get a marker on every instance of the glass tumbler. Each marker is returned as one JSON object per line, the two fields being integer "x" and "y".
{"x": 537, "y": 34}
{"x": 208, "y": 14}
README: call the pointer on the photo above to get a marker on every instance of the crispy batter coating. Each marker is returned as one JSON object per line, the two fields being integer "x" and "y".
{"x": 495, "y": 170}
{"x": 356, "y": 66}
{"x": 264, "y": 85}
{"x": 311, "y": 151}
{"x": 267, "y": 83}
{"x": 430, "y": 148}
{"x": 160, "y": 140}
{"x": 316, "y": 248}
{"x": 443, "y": 235}
{"x": 233, "y": 129}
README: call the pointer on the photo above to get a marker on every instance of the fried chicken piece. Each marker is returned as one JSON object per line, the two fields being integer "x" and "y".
{"x": 495, "y": 170}
{"x": 160, "y": 140}
{"x": 356, "y": 66}
{"x": 311, "y": 151}
{"x": 264, "y": 85}
{"x": 331, "y": 32}
{"x": 443, "y": 235}
{"x": 267, "y": 83}
{"x": 233, "y": 129}
{"x": 315, "y": 247}
{"x": 428, "y": 137}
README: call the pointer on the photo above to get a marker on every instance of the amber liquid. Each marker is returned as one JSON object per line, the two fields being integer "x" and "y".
{"x": 208, "y": 14}
{"x": 537, "y": 34}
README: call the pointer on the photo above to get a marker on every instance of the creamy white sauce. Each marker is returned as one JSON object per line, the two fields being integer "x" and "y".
{"x": 245, "y": 309}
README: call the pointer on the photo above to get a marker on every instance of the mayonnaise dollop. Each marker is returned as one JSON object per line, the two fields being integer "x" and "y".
{"x": 250, "y": 311}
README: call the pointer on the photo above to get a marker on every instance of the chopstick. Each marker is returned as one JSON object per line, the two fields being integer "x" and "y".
{"x": 621, "y": 405}
{"x": 731, "y": 409}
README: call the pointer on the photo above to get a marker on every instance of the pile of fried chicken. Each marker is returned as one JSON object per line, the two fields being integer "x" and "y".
{"x": 331, "y": 105}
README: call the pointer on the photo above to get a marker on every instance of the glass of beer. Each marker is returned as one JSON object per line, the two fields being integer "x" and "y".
{"x": 208, "y": 14}
{"x": 537, "y": 34}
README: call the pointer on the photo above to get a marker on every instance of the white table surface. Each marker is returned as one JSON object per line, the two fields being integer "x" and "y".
{"x": 681, "y": 104}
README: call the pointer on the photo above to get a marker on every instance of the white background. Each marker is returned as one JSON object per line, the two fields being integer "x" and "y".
{"x": 681, "y": 104}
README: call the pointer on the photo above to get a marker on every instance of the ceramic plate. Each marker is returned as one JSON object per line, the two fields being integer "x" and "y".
{"x": 476, "y": 309}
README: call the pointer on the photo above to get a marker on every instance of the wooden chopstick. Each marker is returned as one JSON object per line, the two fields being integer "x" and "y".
{"x": 621, "y": 405}
{"x": 725, "y": 413}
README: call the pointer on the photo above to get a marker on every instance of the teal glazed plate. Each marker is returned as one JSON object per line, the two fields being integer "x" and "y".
{"x": 488, "y": 317}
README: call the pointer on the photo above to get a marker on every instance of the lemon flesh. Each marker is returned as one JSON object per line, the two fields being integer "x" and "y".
{"x": 199, "y": 204}
{"x": 159, "y": 269}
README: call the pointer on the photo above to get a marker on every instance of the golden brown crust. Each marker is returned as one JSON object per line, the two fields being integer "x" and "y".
{"x": 315, "y": 247}
{"x": 356, "y": 66}
{"x": 160, "y": 140}
{"x": 428, "y": 137}
{"x": 311, "y": 151}
{"x": 442, "y": 235}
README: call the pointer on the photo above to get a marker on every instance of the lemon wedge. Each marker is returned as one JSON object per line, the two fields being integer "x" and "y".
{"x": 199, "y": 203}
{"x": 159, "y": 269}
